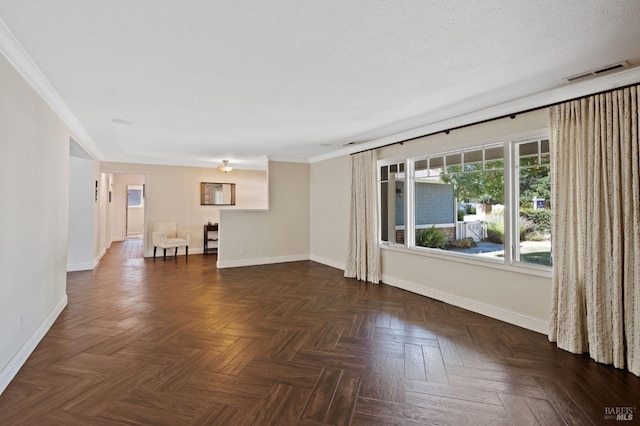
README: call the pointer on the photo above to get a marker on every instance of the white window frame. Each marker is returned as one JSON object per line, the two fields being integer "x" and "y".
{"x": 380, "y": 164}
{"x": 511, "y": 189}
{"x": 514, "y": 191}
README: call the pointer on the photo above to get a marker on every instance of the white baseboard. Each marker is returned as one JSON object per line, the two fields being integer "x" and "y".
{"x": 502, "y": 314}
{"x": 86, "y": 266}
{"x": 506, "y": 315}
{"x": 9, "y": 372}
{"x": 260, "y": 261}
{"x": 328, "y": 262}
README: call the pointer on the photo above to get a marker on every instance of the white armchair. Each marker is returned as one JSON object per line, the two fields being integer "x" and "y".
{"x": 165, "y": 236}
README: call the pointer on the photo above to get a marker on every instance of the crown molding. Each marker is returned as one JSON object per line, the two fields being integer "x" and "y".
{"x": 11, "y": 48}
{"x": 537, "y": 100}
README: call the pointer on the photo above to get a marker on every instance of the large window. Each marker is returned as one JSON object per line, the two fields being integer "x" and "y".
{"x": 490, "y": 202}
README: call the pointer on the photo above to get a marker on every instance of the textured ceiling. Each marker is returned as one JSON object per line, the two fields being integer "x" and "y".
{"x": 207, "y": 80}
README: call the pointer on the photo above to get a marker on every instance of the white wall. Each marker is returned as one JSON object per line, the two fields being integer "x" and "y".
{"x": 34, "y": 192}
{"x": 82, "y": 247}
{"x": 106, "y": 183}
{"x": 507, "y": 294}
{"x": 280, "y": 234}
{"x": 135, "y": 220}
{"x": 329, "y": 212}
{"x": 117, "y": 215}
{"x": 173, "y": 193}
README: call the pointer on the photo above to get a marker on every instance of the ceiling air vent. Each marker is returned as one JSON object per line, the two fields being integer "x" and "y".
{"x": 592, "y": 73}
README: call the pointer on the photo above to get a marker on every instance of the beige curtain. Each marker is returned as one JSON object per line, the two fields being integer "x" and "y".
{"x": 363, "y": 254}
{"x": 596, "y": 227}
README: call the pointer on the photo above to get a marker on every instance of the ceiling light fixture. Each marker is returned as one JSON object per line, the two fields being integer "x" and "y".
{"x": 226, "y": 168}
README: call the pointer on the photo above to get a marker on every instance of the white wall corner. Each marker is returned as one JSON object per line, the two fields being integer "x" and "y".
{"x": 22, "y": 62}
{"x": 329, "y": 262}
{"x": 9, "y": 372}
{"x": 85, "y": 266}
{"x": 506, "y": 315}
{"x": 261, "y": 261}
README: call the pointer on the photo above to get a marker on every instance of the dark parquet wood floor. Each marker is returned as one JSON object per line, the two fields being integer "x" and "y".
{"x": 146, "y": 342}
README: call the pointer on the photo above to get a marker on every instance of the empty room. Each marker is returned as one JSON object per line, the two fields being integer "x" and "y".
{"x": 319, "y": 212}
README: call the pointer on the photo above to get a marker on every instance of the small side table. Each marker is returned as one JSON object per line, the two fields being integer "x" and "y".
{"x": 210, "y": 238}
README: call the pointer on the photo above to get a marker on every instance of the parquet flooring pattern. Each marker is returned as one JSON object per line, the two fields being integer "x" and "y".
{"x": 146, "y": 342}
{"x": 131, "y": 248}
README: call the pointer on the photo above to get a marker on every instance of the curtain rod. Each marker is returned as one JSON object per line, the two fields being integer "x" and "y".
{"x": 512, "y": 116}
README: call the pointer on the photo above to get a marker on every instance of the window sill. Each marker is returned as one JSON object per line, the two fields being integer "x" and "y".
{"x": 472, "y": 260}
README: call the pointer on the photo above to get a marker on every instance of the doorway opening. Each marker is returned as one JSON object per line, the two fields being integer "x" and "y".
{"x": 127, "y": 212}
{"x": 135, "y": 211}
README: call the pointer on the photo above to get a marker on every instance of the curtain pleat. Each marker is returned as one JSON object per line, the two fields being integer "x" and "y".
{"x": 596, "y": 227}
{"x": 363, "y": 254}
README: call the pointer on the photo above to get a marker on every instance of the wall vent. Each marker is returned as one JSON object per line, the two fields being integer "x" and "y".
{"x": 598, "y": 71}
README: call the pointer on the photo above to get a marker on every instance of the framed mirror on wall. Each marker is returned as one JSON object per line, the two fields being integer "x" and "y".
{"x": 217, "y": 194}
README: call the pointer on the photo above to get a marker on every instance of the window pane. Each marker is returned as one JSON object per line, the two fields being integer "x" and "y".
{"x": 434, "y": 213}
{"x": 494, "y": 165}
{"x": 493, "y": 153}
{"x": 392, "y": 205}
{"x": 459, "y": 207}
{"x": 545, "y": 153}
{"x": 473, "y": 156}
{"x": 384, "y": 173}
{"x": 420, "y": 166}
{"x": 534, "y": 214}
{"x": 134, "y": 197}
{"x": 454, "y": 163}
{"x": 384, "y": 207}
{"x": 528, "y": 153}
{"x": 473, "y": 161}
{"x": 529, "y": 149}
{"x": 528, "y": 161}
{"x": 473, "y": 167}
{"x": 436, "y": 163}
{"x": 493, "y": 158}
